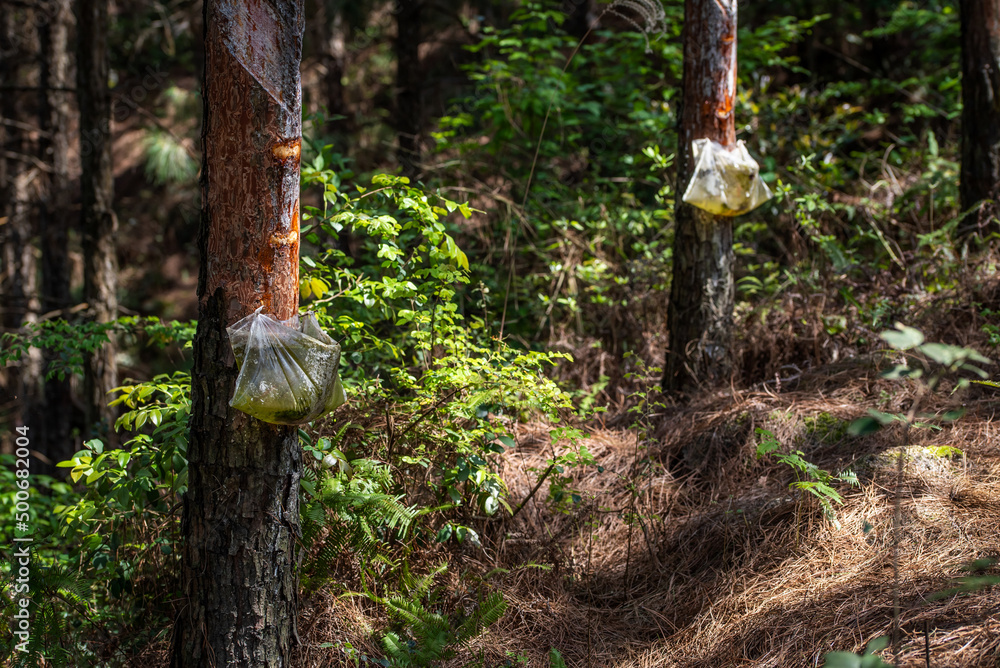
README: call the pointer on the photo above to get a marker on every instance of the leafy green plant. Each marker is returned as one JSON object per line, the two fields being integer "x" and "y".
{"x": 425, "y": 637}
{"x": 347, "y": 505}
{"x": 869, "y": 658}
{"x": 927, "y": 365}
{"x": 809, "y": 478}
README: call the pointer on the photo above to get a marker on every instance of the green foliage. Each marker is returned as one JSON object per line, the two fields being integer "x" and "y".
{"x": 346, "y": 505}
{"x": 396, "y": 308}
{"x": 869, "y": 658}
{"x": 95, "y": 553}
{"x": 425, "y": 637}
{"x": 927, "y": 365}
{"x": 70, "y": 342}
{"x": 55, "y": 587}
{"x": 167, "y": 159}
{"x": 809, "y": 478}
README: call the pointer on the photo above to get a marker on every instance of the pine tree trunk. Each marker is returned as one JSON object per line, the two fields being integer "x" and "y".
{"x": 700, "y": 315}
{"x": 335, "y": 59}
{"x": 18, "y": 281}
{"x": 241, "y": 512}
{"x": 409, "y": 82}
{"x": 980, "y": 175}
{"x": 54, "y": 212}
{"x": 98, "y": 225}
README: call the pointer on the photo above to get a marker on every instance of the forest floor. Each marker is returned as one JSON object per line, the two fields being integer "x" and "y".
{"x": 726, "y": 565}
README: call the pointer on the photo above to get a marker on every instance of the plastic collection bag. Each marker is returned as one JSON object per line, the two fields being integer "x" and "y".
{"x": 288, "y": 369}
{"x": 726, "y": 183}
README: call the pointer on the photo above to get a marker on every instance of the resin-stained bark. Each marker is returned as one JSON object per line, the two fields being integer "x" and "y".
{"x": 241, "y": 514}
{"x": 702, "y": 290}
{"x": 98, "y": 225}
{"x": 980, "y": 176}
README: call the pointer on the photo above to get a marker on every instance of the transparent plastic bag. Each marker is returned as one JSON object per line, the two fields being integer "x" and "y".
{"x": 288, "y": 369}
{"x": 726, "y": 183}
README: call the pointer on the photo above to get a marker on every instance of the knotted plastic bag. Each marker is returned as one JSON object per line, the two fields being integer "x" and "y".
{"x": 288, "y": 369}
{"x": 726, "y": 183}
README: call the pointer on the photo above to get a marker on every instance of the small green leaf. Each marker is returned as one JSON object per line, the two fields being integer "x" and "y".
{"x": 903, "y": 337}
{"x": 864, "y": 426}
{"x": 842, "y": 660}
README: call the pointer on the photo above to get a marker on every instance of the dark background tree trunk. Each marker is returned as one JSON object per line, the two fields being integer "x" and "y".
{"x": 980, "y": 176}
{"x": 53, "y": 438}
{"x": 335, "y": 35}
{"x": 241, "y": 512}
{"x": 700, "y": 314}
{"x": 409, "y": 84}
{"x": 98, "y": 224}
{"x": 19, "y": 177}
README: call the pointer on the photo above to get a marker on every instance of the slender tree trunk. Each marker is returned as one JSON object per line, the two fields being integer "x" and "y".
{"x": 700, "y": 314}
{"x": 579, "y": 17}
{"x": 98, "y": 225}
{"x": 241, "y": 512}
{"x": 54, "y": 211}
{"x": 20, "y": 176}
{"x": 980, "y": 175}
{"x": 335, "y": 58}
{"x": 409, "y": 84}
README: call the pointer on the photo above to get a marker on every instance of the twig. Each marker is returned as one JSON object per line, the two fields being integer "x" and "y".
{"x": 532, "y": 492}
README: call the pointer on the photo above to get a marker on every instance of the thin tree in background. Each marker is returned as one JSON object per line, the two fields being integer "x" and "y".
{"x": 334, "y": 35}
{"x": 980, "y": 175}
{"x": 409, "y": 82}
{"x": 55, "y": 102}
{"x": 19, "y": 174}
{"x": 241, "y": 510}
{"x": 98, "y": 225}
{"x": 700, "y": 315}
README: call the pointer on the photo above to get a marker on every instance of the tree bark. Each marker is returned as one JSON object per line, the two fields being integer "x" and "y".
{"x": 18, "y": 178}
{"x": 241, "y": 512}
{"x": 980, "y": 171}
{"x": 700, "y": 314}
{"x": 409, "y": 84}
{"x": 54, "y": 212}
{"x": 335, "y": 58}
{"x": 98, "y": 224}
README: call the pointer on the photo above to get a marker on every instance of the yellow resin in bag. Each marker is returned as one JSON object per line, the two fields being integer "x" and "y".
{"x": 726, "y": 183}
{"x": 288, "y": 369}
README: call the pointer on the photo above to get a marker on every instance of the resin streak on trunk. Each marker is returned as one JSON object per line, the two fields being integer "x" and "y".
{"x": 241, "y": 513}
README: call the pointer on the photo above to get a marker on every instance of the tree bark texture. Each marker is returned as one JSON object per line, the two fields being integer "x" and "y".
{"x": 98, "y": 225}
{"x": 409, "y": 84}
{"x": 241, "y": 512}
{"x": 19, "y": 178}
{"x": 980, "y": 171}
{"x": 54, "y": 213}
{"x": 700, "y": 313}
{"x": 335, "y": 58}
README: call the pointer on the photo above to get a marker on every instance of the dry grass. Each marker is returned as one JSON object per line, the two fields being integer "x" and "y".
{"x": 728, "y": 567}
